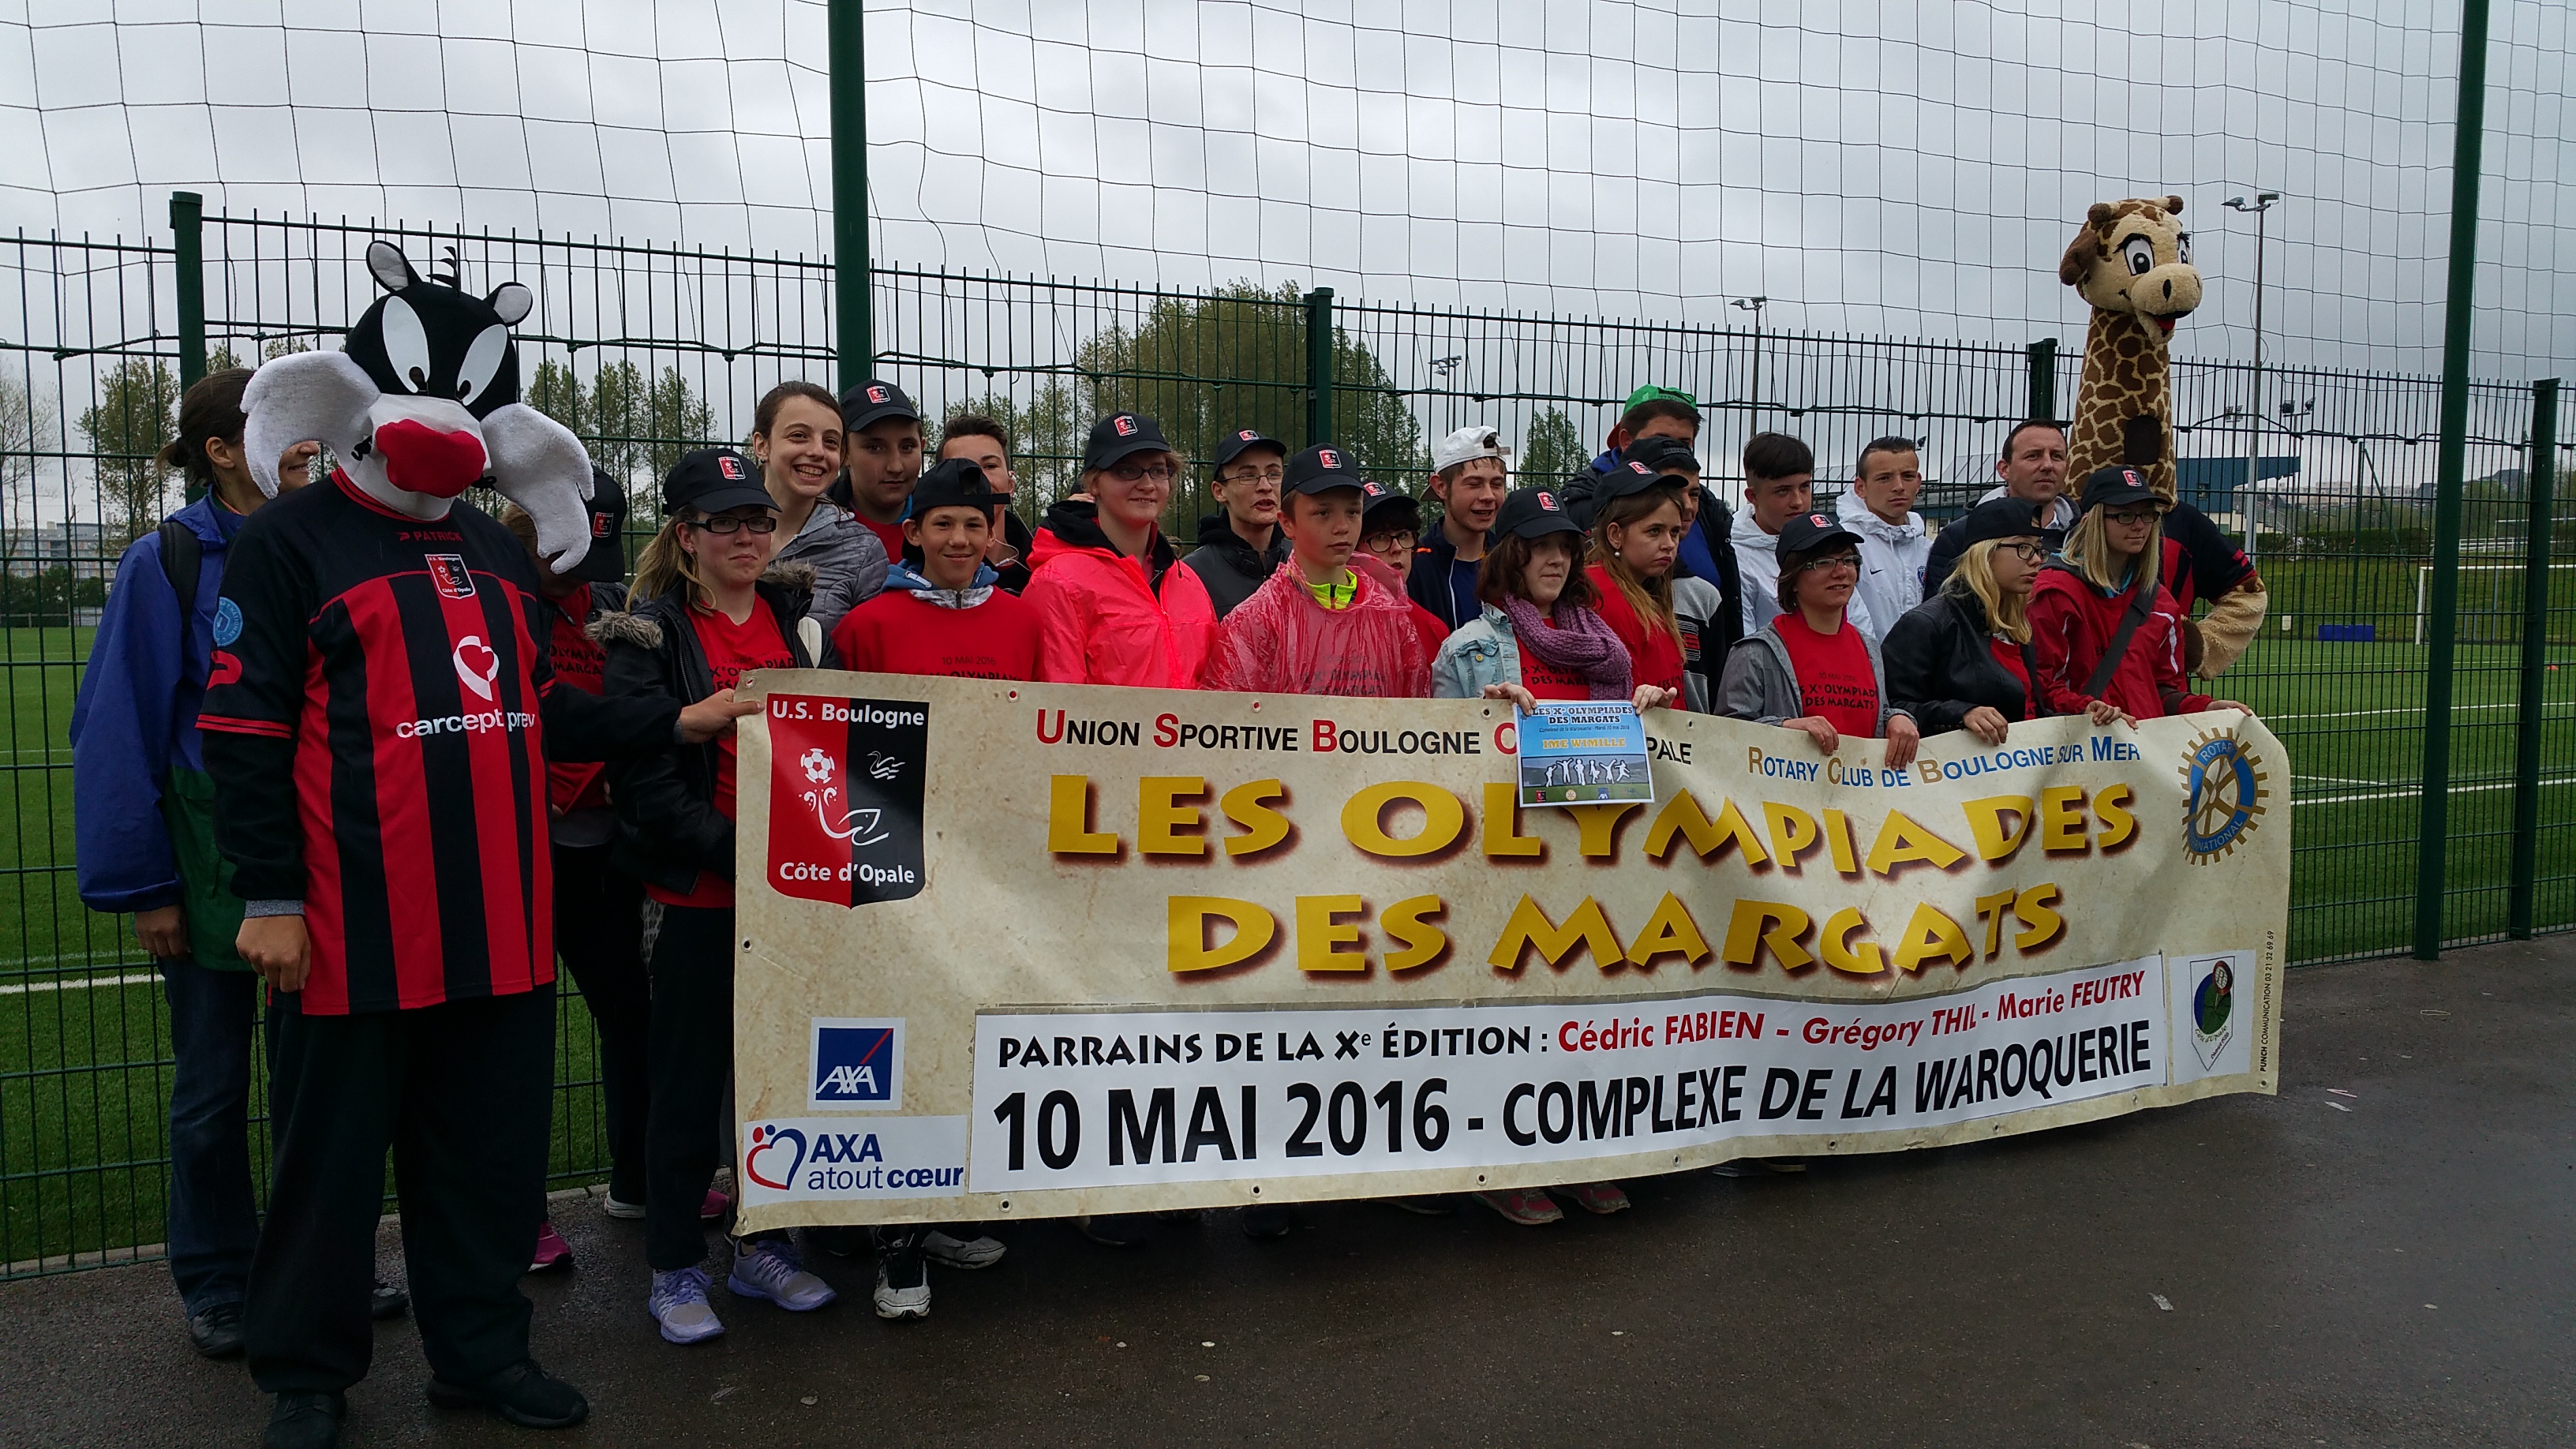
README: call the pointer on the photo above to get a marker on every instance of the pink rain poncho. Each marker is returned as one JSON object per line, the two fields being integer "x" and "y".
{"x": 1281, "y": 641}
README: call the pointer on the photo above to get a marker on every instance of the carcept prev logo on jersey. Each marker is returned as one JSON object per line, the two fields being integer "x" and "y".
{"x": 856, "y": 1064}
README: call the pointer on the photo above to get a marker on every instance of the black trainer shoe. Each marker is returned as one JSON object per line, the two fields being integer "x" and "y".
{"x": 522, "y": 1393}
{"x": 386, "y": 1301}
{"x": 903, "y": 1276}
{"x": 217, "y": 1332}
{"x": 305, "y": 1421}
{"x": 1265, "y": 1220}
{"x": 1115, "y": 1230}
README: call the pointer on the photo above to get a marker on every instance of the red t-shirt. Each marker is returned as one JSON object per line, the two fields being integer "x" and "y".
{"x": 2008, "y": 654}
{"x": 898, "y": 633}
{"x": 581, "y": 663}
{"x": 889, "y": 534}
{"x": 1835, "y": 682}
{"x": 733, "y": 650}
{"x": 1654, "y": 656}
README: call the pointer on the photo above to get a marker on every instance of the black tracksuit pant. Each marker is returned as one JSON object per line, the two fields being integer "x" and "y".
{"x": 692, "y": 1057}
{"x": 462, "y": 1094}
{"x": 599, "y": 932}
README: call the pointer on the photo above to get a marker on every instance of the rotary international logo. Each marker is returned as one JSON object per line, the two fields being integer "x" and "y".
{"x": 2224, "y": 783}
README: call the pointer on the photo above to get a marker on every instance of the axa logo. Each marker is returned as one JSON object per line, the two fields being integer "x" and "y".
{"x": 449, "y": 572}
{"x": 772, "y": 1156}
{"x": 1328, "y": 458}
{"x": 856, "y": 1065}
{"x": 1123, "y": 425}
{"x": 477, "y": 667}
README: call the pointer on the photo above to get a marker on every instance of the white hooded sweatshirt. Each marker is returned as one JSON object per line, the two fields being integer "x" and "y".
{"x": 1892, "y": 556}
{"x": 1757, "y": 561}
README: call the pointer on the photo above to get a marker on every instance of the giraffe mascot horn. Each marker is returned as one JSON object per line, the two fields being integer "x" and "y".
{"x": 421, "y": 403}
{"x": 2132, "y": 261}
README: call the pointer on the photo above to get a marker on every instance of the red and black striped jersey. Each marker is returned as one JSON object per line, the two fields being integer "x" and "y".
{"x": 380, "y": 684}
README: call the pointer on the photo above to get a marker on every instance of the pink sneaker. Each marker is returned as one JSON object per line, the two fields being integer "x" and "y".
{"x": 1530, "y": 1206}
{"x": 1597, "y": 1197}
{"x": 552, "y": 1251}
{"x": 715, "y": 1207}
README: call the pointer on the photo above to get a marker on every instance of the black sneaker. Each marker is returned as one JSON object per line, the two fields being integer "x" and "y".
{"x": 903, "y": 1276}
{"x": 217, "y": 1332}
{"x": 386, "y": 1301}
{"x": 522, "y": 1393}
{"x": 1266, "y": 1220}
{"x": 305, "y": 1421}
{"x": 1114, "y": 1230}
{"x": 1427, "y": 1205}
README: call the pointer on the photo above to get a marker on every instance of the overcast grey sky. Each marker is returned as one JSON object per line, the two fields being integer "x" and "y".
{"x": 1875, "y": 165}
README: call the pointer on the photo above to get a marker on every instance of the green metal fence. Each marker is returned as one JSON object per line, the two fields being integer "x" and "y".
{"x": 650, "y": 350}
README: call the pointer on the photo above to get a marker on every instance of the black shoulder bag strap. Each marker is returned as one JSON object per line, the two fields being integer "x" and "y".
{"x": 183, "y": 558}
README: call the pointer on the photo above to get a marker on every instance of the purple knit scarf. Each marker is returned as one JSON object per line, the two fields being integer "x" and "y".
{"x": 1582, "y": 642}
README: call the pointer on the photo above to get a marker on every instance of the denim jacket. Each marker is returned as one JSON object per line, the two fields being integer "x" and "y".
{"x": 1480, "y": 653}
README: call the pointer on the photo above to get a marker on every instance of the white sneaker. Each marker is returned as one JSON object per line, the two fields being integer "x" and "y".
{"x": 948, "y": 1252}
{"x": 770, "y": 1269}
{"x": 632, "y": 1212}
{"x": 679, "y": 1304}
{"x": 903, "y": 1279}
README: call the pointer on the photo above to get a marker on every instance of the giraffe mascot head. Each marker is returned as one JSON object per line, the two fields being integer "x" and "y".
{"x": 2131, "y": 260}
{"x": 421, "y": 403}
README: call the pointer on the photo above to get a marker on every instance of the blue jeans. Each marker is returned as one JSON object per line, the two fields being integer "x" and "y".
{"x": 214, "y": 1216}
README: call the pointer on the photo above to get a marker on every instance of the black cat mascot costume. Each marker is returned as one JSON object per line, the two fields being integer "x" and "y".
{"x": 381, "y": 712}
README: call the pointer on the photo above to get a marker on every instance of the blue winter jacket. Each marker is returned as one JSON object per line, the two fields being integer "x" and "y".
{"x": 142, "y": 804}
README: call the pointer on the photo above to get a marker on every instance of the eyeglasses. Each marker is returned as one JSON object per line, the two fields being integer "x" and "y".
{"x": 723, "y": 524}
{"x": 1838, "y": 561}
{"x": 1142, "y": 472}
{"x": 1395, "y": 542}
{"x": 2025, "y": 550}
{"x": 2134, "y": 515}
{"x": 1273, "y": 475}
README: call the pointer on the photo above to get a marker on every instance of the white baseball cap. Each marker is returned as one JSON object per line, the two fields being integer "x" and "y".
{"x": 1465, "y": 444}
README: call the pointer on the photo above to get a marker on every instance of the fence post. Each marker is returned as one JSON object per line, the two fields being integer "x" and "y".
{"x": 2043, "y": 379}
{"x": 1319, "y": 366}
{"x": 2537, "y": 483}
{"x": 850, "y": 278}
{"x": 2433, "y": 835}
{"x": 188, "y": 256}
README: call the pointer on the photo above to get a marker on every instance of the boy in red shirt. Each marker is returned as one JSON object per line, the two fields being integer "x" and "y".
{"x": 942, "y": 611}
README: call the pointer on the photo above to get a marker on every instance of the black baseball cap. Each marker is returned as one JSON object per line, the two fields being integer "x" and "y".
{"x": 874, "y": 401}
{"x": 1633, "y": 475}
{"x": 2114, "y": 487}
{"x": 1386, "y": 508}
{"x": 606, "y": 561}
{"x": 1118, "y": 436}
{"x": 712, "y": 480}
{"x": 957, "y": 483}
{"x": 1662, "y": 455}
{"x": 1241, "y": 441}
{"x": 2003, "y": 518}
{"x": 1806, "y": 531}
{"x": 1533, "y": 513}
{"x": 1321, "y": 469}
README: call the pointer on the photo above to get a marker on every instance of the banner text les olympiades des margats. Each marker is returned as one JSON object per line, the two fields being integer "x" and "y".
{"x": 1024, "y": 950}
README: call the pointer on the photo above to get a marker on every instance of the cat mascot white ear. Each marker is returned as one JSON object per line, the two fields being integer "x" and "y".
{"x": 421, "y": 403}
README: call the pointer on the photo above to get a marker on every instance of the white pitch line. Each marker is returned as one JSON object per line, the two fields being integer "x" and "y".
{"x": 2338, "y": 780}
{"x": 2417, "y": 792}
{"x": 2369, "y": 713}
{"x": 83, "y": 984}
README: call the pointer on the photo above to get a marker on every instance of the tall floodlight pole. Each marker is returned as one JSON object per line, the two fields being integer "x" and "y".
{"x": 856, "y": 331}
{"x": 2260, "y": 206}
{"x": 2433, "y": 826}
{"x": 1754, "y": 305}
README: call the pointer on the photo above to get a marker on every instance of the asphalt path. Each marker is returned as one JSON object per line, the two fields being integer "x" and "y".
{"x": 2379, "y": 1255}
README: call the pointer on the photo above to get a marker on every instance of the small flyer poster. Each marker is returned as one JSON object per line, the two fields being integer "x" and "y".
{"x": 1583, "y": 752}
